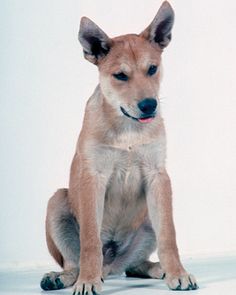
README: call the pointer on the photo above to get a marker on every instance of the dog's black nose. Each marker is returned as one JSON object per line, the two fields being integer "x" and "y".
{"x": 148, "y": 105}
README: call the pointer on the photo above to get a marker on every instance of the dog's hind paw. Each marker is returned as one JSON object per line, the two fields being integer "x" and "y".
{"x": 59, "y": 280}
{"x": 51, "y": 281}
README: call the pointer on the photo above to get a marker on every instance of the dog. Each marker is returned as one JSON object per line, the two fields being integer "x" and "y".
{"x": 118, "y": 207}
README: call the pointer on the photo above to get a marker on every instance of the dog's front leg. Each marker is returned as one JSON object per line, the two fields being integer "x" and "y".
{"x": 89, "y": 196}
{"x": 159, "y": 200}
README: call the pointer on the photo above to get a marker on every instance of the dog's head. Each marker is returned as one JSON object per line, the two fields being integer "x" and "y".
{"x": 129, "y": 65}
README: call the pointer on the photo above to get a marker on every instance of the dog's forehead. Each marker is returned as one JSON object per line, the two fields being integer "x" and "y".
{"x": 133, "y": 50}
{"x": 137, "y": 48}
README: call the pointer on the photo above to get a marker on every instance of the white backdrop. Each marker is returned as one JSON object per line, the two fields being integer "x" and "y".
{"x": 45, "y": 83}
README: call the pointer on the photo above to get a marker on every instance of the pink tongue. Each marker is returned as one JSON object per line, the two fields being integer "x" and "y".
{"x": 146, "y": 120}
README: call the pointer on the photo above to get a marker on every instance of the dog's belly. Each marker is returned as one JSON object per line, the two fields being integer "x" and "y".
{"x": 125, "y": 203}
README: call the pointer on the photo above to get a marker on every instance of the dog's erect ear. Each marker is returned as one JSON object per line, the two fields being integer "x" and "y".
{"x": 96, "y": 44}
{"x": 159, "y": 30}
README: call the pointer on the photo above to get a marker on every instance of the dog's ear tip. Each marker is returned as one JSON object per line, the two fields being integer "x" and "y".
{"x": 167, "y": 7}
{"x": 166, "y": 4}
{"x": 85, "y": 20}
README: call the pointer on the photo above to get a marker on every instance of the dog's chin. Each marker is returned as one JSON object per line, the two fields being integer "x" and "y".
{"x": 142, "y": 119}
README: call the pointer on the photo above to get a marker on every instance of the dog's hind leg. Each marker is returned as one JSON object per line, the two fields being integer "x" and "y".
{"x": 62, "y": 233}
{"x": 142, "y": 247}
{"x": 131, "y": 255}
{"x": 147, "y": 269}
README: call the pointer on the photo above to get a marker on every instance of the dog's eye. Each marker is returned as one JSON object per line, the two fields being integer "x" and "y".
{"x": 121, "y": 76}
{"x": 152, "y": 70}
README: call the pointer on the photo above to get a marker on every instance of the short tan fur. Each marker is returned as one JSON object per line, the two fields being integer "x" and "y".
{"x": 118, "y": 207}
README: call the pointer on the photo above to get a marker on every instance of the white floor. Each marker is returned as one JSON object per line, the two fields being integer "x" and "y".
{"x": 215, "y": 276}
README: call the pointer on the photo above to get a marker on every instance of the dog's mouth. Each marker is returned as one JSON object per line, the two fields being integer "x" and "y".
{"x": 142, "y": 119}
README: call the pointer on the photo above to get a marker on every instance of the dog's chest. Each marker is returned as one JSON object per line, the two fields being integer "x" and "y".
{"x": 124, "y": 197}
{"x": 126, "y": 166}
{"x": 127, "y": 175}
{"x": 122, "y": 167}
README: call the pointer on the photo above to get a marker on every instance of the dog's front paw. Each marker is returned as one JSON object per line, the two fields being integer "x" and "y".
{"x": 182, "y": 282}
{"x": 88, "y": 287}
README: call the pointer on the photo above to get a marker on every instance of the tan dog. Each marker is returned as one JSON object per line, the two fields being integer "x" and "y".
{"x": 118, "y": 208}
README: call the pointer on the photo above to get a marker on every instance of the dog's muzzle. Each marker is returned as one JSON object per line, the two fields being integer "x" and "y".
{"x": 147, "y": 107}
{"x": 142, "y": 119}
